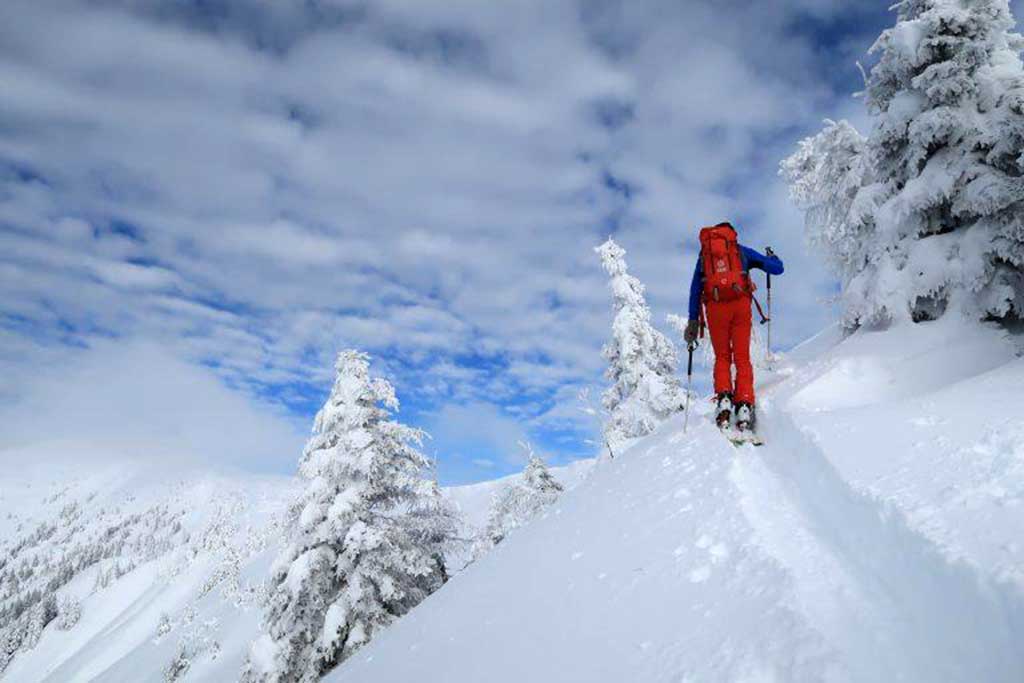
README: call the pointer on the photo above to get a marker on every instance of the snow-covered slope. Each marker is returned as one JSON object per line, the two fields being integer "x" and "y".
{"x": 474, "y": 500}
{"x": 877, "y": 537}
{"x": 167, "y": 564}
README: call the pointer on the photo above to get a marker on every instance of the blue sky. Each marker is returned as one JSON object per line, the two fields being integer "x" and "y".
{"x": 235, "y": 190}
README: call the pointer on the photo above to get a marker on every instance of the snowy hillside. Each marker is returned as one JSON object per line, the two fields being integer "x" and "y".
{"x": 875, "y": 538}
{"x": 166, "y": 565}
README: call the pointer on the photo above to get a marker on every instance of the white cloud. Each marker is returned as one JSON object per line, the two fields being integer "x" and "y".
{"x": 478, "y": 431}
{"x": 137, "y": 399}
{"x": 422, "y": 178}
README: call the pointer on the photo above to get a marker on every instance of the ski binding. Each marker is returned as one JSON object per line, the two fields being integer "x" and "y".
{"x": 739, "y": 438}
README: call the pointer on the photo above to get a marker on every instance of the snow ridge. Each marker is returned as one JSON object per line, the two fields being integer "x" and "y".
{"x": 649, "y": 597}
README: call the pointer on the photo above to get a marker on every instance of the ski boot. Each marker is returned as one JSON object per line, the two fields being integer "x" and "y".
{"x": 723, "y": 410}
{"x": 746, "y": 418}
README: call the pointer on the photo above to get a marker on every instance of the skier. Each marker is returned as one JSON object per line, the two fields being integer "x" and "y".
{"x": 722, "y": 288}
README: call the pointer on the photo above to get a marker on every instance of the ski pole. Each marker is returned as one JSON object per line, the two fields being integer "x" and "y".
{"x": 769, "y": 315}
{"x": 769, "y": 252}
{"x": 689, "y": 381}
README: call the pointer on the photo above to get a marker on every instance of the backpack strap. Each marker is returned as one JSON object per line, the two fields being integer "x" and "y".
{"x": 760, "y": 312}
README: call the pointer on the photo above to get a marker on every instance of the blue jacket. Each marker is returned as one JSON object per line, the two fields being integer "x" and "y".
{"x": 751, "y": 259}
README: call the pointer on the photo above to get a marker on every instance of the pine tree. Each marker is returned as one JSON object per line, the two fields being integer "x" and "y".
{"x": 69, "y": 611}
{"x": 927, "y": 211}
{"x": 41, "y": 614}
{"x": 520, "y": 501}
{"x": 369, "y": 533}
{"x": 641, "y": 360}
{"x": 11, "y": 637}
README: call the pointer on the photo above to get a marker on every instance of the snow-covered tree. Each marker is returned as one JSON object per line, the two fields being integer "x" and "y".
{"x": 198, "y": 641}
{"x": 41, "y": 614}
{"x": 368, "y": 535}
{"x": 69, "y": 611}
{"x": 519, "y": 501}
{"x": 927, "y": 211}
{"x": 11, "y": 637}
{"x": 641, "y": 360}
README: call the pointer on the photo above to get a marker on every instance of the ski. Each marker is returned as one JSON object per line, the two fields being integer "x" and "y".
{"x": 738, "y": 438}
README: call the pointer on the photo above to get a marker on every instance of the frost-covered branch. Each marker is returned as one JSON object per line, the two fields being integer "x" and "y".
{"x": 927, "y": 211}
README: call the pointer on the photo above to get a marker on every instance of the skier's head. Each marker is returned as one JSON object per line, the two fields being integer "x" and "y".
{"x": 726, "y": 224}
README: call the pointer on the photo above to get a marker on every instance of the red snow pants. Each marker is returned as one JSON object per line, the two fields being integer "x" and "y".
{"x": 729, "y": 323}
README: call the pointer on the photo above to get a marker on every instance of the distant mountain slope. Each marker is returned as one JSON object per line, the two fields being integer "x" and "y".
{"x": 167, "y": 564}
{"x": 876, "y": 537}
{"x": 143, "y": 547}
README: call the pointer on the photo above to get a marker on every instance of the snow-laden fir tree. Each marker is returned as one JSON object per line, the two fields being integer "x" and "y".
{"x": 11, "y": 636}
{"x": 518, "y": 502}
{"x": 927, "y": 211}
{"x": 368, "y": 537}
{"x": 641, "y": 360}
{"x": 41, "y": 614}
{"x": 69, "y": 611}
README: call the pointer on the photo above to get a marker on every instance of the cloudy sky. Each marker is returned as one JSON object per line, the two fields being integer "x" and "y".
{"x": 204, "y": 201}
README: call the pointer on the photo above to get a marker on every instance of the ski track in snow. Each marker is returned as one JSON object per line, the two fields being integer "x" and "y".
{"x": 903, "y": 610}
{"x": 891, "y": 584}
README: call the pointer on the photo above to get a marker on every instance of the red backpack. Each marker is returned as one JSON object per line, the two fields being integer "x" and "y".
{"x": 725, "y": 278}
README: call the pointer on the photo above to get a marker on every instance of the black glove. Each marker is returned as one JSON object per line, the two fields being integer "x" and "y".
{"x": 768, "y": 251}
{"x": 692, "y": 330}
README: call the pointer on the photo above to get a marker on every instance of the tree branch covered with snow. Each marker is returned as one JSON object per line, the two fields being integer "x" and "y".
{"x": 926, "y": 211}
